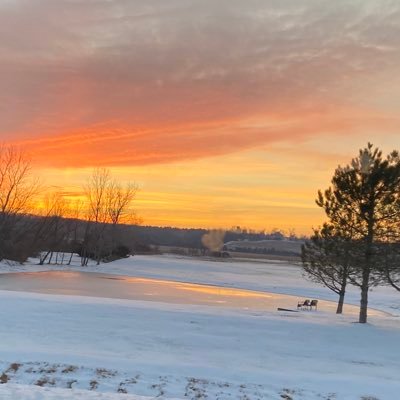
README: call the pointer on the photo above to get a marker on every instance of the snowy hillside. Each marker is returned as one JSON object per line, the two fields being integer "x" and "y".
{"x": 56, "y": 347}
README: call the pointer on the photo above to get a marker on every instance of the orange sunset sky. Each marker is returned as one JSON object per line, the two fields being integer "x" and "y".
{"x": 224, "y": 112}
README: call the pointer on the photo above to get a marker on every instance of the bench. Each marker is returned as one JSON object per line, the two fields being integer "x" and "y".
{"x": 307, "y": 304}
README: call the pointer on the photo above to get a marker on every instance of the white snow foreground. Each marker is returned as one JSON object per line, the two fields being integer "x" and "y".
{"x": 28, "y": 392}
{"x": 71, "y": 347}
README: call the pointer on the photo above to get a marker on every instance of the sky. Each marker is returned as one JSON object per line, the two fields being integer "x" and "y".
{"x": 224, "y": 112}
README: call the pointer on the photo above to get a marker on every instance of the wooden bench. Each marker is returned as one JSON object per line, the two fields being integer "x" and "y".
{"x": 314, "y": 303}
{"x": 307, "y": 304}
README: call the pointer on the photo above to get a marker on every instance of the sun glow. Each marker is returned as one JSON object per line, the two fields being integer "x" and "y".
{"x": 214, "y": 134}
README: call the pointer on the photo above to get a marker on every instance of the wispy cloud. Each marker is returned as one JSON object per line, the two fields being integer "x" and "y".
{"x": 141, "y": 82}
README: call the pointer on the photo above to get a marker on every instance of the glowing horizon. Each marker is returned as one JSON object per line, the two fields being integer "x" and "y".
{"x": 224, "y": 112}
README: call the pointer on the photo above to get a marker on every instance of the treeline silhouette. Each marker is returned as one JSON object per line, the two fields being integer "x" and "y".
{"x": 53, "y": 239}
{"x": 144, "y": 236}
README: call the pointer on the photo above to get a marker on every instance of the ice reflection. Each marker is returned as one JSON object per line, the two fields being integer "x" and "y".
{"x": 132, "y": 288}
{"x": 219, "y": 291}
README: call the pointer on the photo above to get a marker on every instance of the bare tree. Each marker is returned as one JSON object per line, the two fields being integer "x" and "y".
{"x": 74, "y": 214}
{"x": 18, "y": 188}
{"x": 52, "y": 227}
{"x": 108, "y": 205}
{"x": 119, "y": 198}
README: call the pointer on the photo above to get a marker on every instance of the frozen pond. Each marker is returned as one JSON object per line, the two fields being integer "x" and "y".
{"x": 133, "y": 288}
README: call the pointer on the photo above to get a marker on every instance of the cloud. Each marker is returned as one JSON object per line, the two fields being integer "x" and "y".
{"x": 115, "y": 145}
{"x": 122, "y": 82}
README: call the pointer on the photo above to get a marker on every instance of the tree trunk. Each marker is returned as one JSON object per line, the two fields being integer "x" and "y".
{"x": 339, "y": 309}
{"x": 368, "y": 266}
{"x": 43, "y": 259}
{"x": 364, "y": 297}
{"x": 70, "y": 258}
{"x": 342, "y": 292}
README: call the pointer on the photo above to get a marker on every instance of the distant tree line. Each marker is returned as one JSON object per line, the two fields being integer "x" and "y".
{"x": 360, "y": 242}
{"x": 191, "y": 238}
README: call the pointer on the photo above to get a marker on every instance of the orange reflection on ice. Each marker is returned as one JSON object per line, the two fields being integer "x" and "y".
{"x": 219, "y": 291}
{"x": 131, "y": 288}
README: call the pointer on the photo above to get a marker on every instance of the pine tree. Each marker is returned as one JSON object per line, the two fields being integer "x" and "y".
{"x": 364, "y": 199}
{"x": 390, "y": 268}
{"x": 326, "y": 259}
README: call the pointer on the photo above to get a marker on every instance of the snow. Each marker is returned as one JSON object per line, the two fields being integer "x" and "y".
{"x": 273, "y": 276}
{"x": 25, "y": 392}
{"x": 178, "y": 351}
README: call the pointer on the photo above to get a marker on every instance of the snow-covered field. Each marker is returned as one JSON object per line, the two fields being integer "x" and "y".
{"x": 71, "y": 347}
